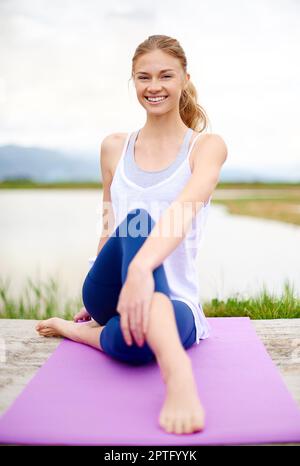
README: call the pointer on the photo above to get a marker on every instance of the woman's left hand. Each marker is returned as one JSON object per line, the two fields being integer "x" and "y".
{"x": 134, "y": 303}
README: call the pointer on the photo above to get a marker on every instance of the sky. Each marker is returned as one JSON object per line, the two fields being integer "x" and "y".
{"x": 65, "y": 68}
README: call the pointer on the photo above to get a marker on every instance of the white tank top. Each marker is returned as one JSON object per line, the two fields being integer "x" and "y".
{"x": 180, "y": 265}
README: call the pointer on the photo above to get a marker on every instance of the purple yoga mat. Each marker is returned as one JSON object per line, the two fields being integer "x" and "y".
{"x": 81, "y": 396}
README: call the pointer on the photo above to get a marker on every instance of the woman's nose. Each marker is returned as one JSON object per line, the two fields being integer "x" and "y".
{"x": 154, "y": 89}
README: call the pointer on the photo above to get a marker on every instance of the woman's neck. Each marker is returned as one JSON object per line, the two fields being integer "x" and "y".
{"x": 159, "y": 130}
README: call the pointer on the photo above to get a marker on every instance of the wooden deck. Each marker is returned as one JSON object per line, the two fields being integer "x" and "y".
{"x": 23, "y": 352}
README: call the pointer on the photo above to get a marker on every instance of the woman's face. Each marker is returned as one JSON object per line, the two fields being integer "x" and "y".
{"x": 158, "y": 74}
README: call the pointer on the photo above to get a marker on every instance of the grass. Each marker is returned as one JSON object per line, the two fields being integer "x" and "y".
{"x": 262, "y": 306}
{"x": 280, "y": 210}
{"x": 30, "y": 184}
{"x": 282, "y": 204}
{"x": 27, "y": 183}
{"x": 38, "y": 301}
{"x": 41, "y": 301}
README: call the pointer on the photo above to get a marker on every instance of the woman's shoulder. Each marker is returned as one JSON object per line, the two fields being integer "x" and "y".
{"x": 210, "y": 139}
{"x": 111, "y": 150}
{"x": 112, "y": 139}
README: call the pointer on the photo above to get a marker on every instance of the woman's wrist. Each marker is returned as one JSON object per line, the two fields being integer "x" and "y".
{"x": 137, "y": 266}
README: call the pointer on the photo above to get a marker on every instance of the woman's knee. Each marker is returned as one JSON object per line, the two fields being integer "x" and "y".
{"x": 185, "y": 323}
{"x": 191, "y": 339}
{"x": 112, "y": 342}
{"x": 100, "y": 300}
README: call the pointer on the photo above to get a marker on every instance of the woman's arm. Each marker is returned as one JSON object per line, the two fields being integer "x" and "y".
{"x": 107, "y": 211}
{"x": 211, "y": 153}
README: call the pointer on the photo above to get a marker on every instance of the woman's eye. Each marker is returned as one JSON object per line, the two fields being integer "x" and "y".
{"x": 165, "y": 76}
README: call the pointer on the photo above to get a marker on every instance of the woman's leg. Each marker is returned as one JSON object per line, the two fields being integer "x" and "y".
{"x": 85, "y": 332}
{"x": 182, "y": 411}
{"x": 104, "y": 282}
{"x": 113, "y": 343}
{"x": 166, "y": 336}
{"x": 100, "y": 293}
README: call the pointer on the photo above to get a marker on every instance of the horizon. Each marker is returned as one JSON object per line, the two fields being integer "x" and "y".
{"x": 58, "y": 163}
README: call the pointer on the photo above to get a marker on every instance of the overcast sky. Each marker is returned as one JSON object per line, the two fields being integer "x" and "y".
{"x": 65, "y": 66}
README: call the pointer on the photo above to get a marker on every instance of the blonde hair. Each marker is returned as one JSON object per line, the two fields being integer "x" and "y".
{"x": 192, "y": 114}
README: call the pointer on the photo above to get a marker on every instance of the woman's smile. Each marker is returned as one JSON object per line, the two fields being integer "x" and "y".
{"x": 156, "y": 101}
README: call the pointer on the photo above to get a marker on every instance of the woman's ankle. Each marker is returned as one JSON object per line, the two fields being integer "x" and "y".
{"x": 175, "y": 364}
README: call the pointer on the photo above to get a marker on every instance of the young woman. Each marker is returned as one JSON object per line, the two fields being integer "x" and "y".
{"x": 141, "y": 293}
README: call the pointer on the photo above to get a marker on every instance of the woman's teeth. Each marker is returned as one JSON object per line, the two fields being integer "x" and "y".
{"x": 155, "y": 100}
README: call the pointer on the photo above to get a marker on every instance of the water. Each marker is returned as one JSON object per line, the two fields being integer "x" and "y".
{"x": 240, "y": 254}
{"x": 54, "y": 233}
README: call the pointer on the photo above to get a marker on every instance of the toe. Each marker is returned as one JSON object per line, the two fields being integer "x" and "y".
{"x": 46, "y": 333}
{"x": 178, "y": 426}
{"x": 198, "y": 424}
{"x": 186, "y": 427}
{"x": 41, "y": 324}
{"x": 169, "y": 426}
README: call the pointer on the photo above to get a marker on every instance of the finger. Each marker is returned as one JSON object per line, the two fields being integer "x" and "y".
{"x": 133, "y": 323}
{"x": 118, "y": 308}
{"x": 139, "y": 325}
{"x": 146, "y": 310}
{"x": 125, "y": 327}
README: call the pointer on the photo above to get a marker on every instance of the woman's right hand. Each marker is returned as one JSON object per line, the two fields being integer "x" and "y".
{"x": 82, "y": 315}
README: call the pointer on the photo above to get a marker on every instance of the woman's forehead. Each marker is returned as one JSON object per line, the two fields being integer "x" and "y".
{"x": 153, "y": 62}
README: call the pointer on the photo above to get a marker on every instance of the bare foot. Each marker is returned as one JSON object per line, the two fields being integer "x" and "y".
{"x": 182, "y": 412}
{"x": 53, "y": 327}
{"x": 57, "y": 327}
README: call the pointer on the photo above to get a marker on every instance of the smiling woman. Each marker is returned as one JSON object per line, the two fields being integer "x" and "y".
{"x": 171, "y": 82}
{"x": 157, "y": 184}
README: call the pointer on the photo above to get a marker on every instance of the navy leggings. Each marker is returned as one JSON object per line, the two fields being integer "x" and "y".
{"x": 102, "y": 286}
